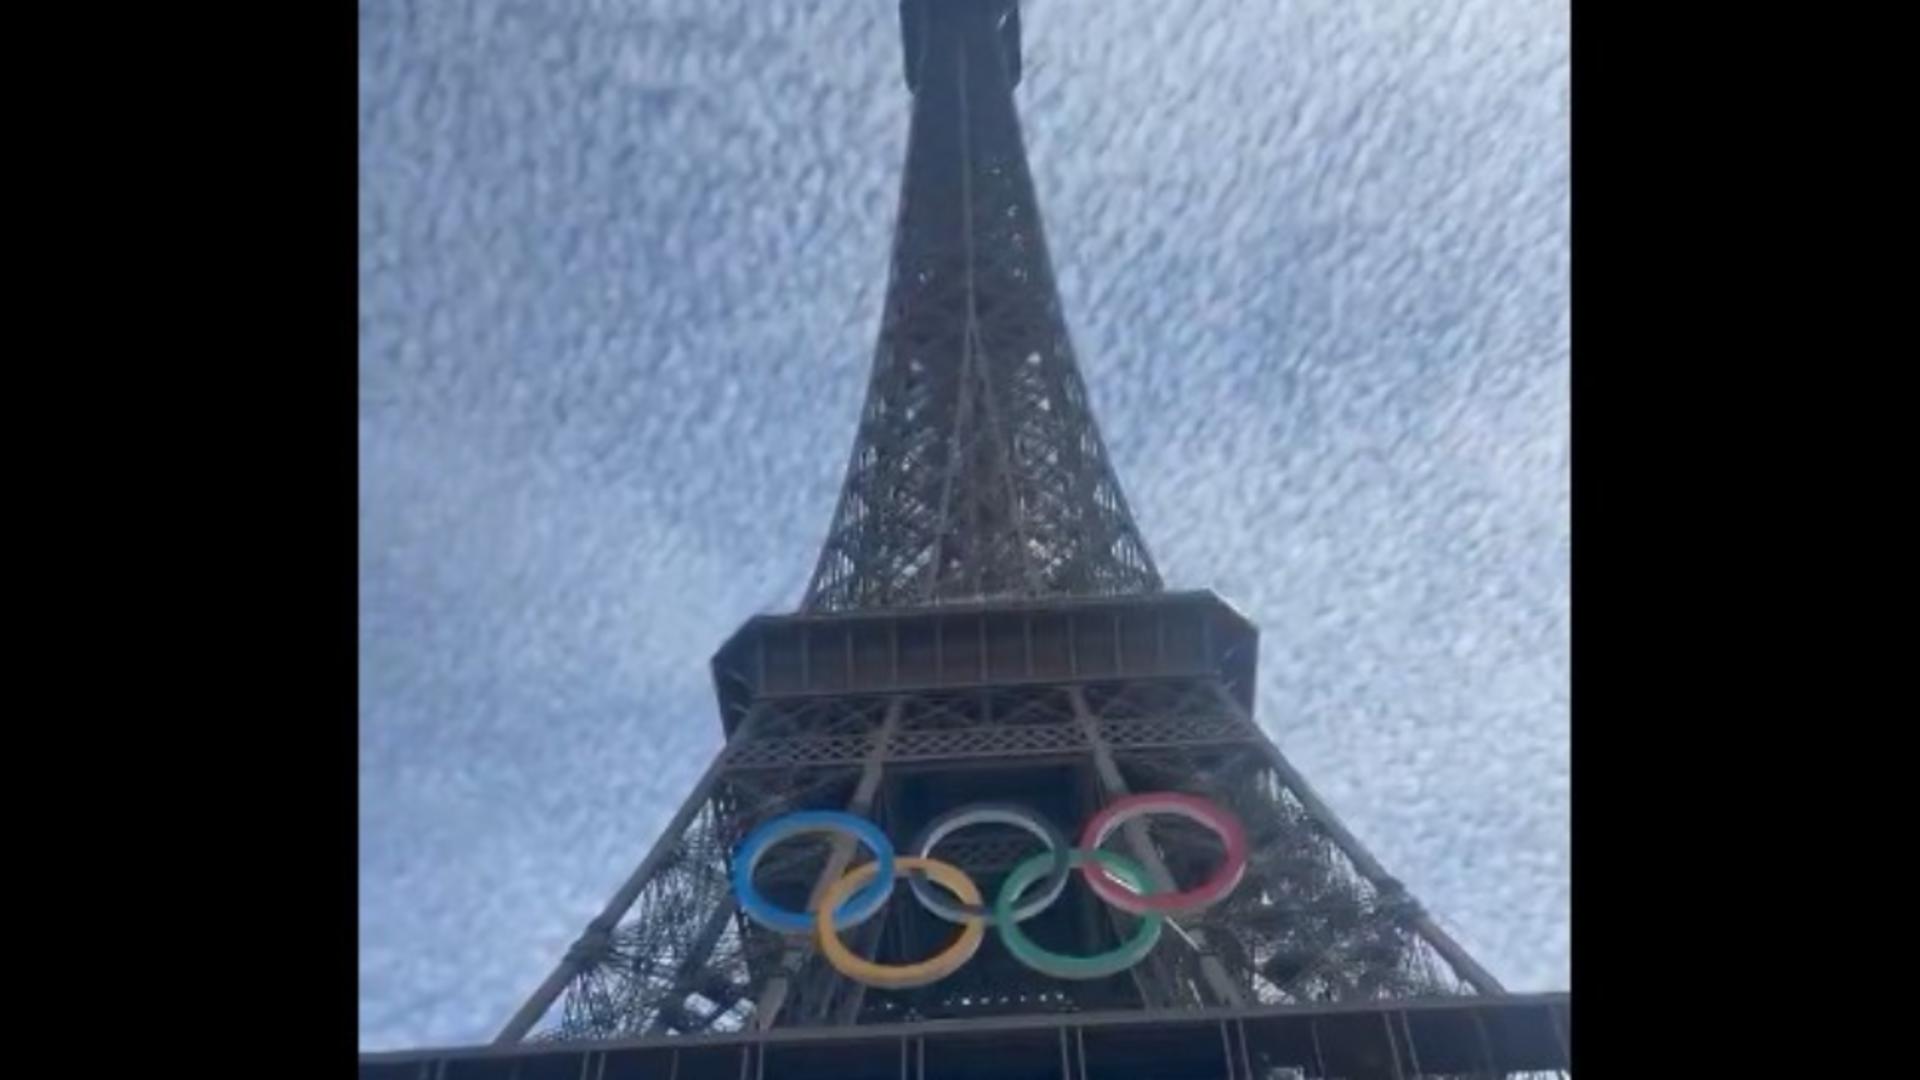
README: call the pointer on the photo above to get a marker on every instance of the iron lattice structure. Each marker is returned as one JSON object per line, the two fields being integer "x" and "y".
{"x": 985, "y": 623}
{"x": 1063, "y": 703}
{"x": 978, "y": 470}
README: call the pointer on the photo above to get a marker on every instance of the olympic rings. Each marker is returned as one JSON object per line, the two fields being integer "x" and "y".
{"x": 861, "y": 892}
{"x": 1125, "y": 809}
{"x": 1076, "y": 967}
{"x": 901, "y": 976}
{"x": 857, "y": 910}
{"x": 983, "y": 814}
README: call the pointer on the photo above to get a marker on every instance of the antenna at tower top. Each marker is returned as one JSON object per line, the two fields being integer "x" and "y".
{"x": 916, "y": 17}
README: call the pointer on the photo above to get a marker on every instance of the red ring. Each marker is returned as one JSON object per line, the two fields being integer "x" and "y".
{"x": 1206, "y": 812}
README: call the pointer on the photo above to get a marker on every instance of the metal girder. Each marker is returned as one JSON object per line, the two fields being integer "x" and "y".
{"x": 978, "y": 470}
{"x": 814, "y": 657}
{"x": 1517, "y": 1035}
{"x": 767, "y": 1012}
{"x": 1218, "y": 982}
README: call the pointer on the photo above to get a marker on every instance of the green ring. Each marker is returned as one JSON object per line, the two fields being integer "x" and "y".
{"x": 1117, "y": 960}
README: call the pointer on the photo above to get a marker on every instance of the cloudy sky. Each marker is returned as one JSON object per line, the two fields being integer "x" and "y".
{"x": 621, "y": 265}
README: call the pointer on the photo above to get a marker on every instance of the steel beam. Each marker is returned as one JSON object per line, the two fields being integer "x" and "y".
{"x": 599, "y": 931}
{"x": 774, "y": 997}
{"x": 1489, "y": 1035}
{"x": 1363, "y": 860}
{"x": 1225, "y": 990}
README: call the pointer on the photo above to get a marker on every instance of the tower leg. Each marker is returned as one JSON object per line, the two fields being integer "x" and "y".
{"x": 1222, "y": 986}
{"x": 686, "y": 979}
{"x": 1369, "y": 867}
{"x": 593, "y": 942}
{"x": 774, "y": 998}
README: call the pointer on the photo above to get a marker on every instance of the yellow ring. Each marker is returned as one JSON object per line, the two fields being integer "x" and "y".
{"x": 900, "y": 976}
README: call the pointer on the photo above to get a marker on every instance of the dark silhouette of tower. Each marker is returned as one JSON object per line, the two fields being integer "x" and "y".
{"x": 985, "y": 623}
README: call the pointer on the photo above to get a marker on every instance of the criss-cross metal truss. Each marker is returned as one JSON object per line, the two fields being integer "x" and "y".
{"x": 985, "y": 619}
{"x": 900, "y": 714}
{"x": 978, "y": 470}
{"x": 1307, "y": 924}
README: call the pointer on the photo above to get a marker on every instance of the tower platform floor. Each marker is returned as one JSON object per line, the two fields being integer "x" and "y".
{"x": 1434, "y": 1037}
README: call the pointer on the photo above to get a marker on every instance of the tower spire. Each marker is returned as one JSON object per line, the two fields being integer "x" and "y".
{"x": 978, "y": 471}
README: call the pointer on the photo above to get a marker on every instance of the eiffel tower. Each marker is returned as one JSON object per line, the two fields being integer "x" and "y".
{"x": 985, "y": 624}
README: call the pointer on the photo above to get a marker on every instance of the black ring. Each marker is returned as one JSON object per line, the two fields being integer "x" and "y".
{"x": 1049, "y": 887}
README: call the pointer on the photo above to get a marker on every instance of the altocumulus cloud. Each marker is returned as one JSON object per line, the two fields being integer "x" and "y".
{"x": 621, "y": 266}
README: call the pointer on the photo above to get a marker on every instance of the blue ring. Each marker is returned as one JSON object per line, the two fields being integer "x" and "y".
{"x": 855, "y": 910}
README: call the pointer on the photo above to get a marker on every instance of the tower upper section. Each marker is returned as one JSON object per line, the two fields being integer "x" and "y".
{"x": 978, "y": 471}
{"x": 1002, "y": 15}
